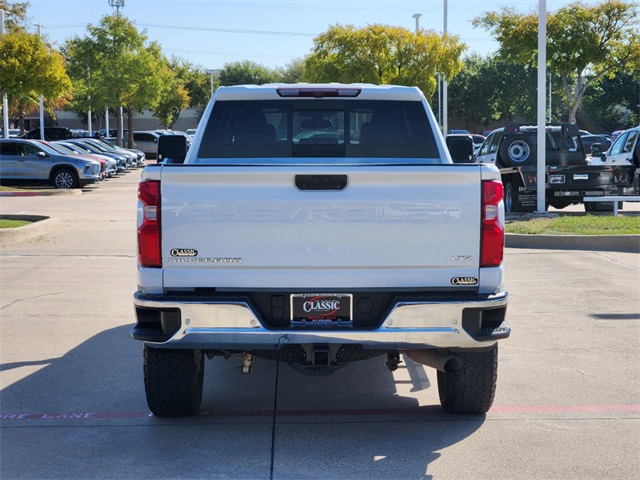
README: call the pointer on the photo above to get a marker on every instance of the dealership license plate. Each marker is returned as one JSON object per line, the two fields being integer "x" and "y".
{"x": 321, "y": 308}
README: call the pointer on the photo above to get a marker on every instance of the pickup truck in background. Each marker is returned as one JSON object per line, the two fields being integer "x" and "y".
{"x": 623, "y": 156}
{"x": 318, "y": 225}
{"x": 569, "y": 176}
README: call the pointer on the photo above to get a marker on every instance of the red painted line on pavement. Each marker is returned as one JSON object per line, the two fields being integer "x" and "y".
{"x": 344, "y": 412}
{"x": 566, "y": 409}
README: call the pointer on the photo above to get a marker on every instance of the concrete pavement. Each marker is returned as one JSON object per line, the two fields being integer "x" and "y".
{"x": 72, "y": 399}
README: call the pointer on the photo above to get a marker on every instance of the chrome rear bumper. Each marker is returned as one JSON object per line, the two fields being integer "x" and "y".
{"x": 166, "y": 322}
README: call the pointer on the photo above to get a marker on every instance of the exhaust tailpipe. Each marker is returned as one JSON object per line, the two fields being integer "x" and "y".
{"x": 434, "y": 359}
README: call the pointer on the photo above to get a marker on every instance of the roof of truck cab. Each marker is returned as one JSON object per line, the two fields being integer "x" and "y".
{"x": 366, "y": 91}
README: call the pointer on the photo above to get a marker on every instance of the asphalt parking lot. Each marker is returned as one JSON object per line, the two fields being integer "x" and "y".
{"x": 72, "y": 401}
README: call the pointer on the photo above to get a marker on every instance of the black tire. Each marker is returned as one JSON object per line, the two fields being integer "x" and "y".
{"x": 513, "y": 201}
{"x": 64, "y": 178}
{"x": 471, "y": 389}
{"x": 173, "y": 381}
{"x": 517, "y": 150}
{"x": 636, "y": 154}
{"x": 509, "y": 197}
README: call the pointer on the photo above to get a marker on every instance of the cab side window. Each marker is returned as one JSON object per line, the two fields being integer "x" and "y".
{"x": 616, "y": 149}
{"x": 485, "y": 146}
{"x": 630, "y": 141}
{"x": 495, "y": 142}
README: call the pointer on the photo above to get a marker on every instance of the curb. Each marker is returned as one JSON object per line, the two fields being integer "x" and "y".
{"x": 41, "y": 226}
{"x": 613, "y": 243}
{"x": 42, "y": 193}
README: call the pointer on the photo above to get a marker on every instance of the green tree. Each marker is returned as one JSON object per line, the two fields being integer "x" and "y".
{"x": 16, "y": 14}
{"x": 174, "y": 98}
{"x": 150, "y": 78}
{"x": 293, "y": 72}
{"x": 124, "y": 70}
{"x": 30, "y": 67}
{"x": 195, "y": 79}
{"x": 382, "y": 54}
{"x": 584, "y": 43}
{"x": 471, "y": 93}
{"x": 246, "y": 73}
{"x": 186, "y": 86}
{"x": 493, "y": 90}
{"x": 612, "y": 104}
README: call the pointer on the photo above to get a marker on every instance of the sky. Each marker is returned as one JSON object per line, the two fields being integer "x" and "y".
{"x": 212, "y": 33}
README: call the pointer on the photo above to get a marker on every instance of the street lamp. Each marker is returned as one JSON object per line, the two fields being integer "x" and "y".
{"x": 5, "y": 101}
{"x": 213, "y": 72}
{"x": 445, "y": 87}
{"x": 39, "y": 25}
{"x": 417, "y": 17}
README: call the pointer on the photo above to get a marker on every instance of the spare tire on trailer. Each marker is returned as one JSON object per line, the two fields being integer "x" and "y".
{"x": 517, "y": 150}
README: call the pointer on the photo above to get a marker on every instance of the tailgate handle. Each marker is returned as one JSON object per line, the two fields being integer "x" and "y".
{"x": 321, "y": 182}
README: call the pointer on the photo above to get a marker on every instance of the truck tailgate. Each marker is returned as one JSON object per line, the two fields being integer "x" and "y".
{"x": 250, "y": 227}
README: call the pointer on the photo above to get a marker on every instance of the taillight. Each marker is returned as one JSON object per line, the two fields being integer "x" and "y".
{"x": 149, "y": 247}
{"x": 492, "y": 235}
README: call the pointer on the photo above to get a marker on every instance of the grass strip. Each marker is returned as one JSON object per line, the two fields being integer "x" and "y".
{"x": 7, "y": 223}
{"x": 576, "y": 225}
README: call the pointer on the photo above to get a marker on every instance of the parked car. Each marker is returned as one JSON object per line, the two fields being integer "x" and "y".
{"x": 589, "y": 140}
{"x": 133, "y": 156}
{"x": 62, "y": 150}
{"x": 121, "y": 160}
{"x": 624, "y": 157}
{"x": 13, "y": 132}
{"x": 112, "y": 165}
{"x": 29, "y": 161}
{"x": 625, "y": 150}
{"x": 57, "y": 133}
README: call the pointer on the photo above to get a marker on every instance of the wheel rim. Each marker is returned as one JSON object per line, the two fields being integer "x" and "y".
{"x": 64, "y": 180}
{"x": 519, "y": 151}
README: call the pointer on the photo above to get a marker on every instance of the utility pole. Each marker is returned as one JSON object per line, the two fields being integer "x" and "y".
{"x": 549, "y": 98}
{"x": 541, "y": 183}
{"x": 445, "y": 86}
{"x": 5, "y": 101}
{"x": 89, "y": 126}
{"x": 417, "y": 17}
{"x": 39, "y": 25}
{"x": 118, "y": 4}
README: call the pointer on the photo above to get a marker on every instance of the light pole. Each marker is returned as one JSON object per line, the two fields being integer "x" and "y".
{"x": 445, "y": 87}
{"x": 542, "y": 77}
{"x": 417, "y": 17}
{"x": 89, "y": 126}
{"x": 39, "y": 25}
{"x": 438, "y": 74}
{"x": 549, "y": 97}
{"x": 5, "y": 101}
{"x": 213, "y": 72}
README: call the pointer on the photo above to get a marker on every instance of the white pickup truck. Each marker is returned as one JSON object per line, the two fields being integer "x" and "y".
{"x": 318, "y": 225}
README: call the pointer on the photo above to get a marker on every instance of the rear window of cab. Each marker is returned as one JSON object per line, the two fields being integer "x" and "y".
{"x": 327, "y": 131}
